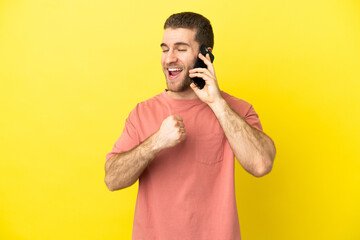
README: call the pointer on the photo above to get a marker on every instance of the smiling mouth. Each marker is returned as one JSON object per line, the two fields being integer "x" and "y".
{"x": 174, "y": 72}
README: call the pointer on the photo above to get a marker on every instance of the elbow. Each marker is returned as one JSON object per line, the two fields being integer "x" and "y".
{"x": 113, "y": 186}
{"x": 264, "y": 168}
{"x": 109, "y": 184}
{"x": 109, "y": 180}
{"x": 266, "y": 163}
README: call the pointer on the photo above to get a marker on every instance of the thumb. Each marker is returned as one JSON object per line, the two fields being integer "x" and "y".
{"x": 194, "y": 87}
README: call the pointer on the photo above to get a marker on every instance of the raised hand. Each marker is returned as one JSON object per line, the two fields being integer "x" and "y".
{"x": 171, "y": 132}
{"x": 211, "y": 92}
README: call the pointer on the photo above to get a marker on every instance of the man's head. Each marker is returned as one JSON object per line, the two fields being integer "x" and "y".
{"x": 204, "y": 32}
{"x": 184, "y": 34}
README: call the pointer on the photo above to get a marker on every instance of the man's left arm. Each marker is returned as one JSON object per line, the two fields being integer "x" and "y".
{"x": 254, "y": 149}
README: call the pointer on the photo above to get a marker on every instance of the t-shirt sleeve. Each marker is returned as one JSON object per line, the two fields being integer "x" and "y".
{"x": 245, "y": 110}
{"x": 252, "y": 119}
{"x": 129, "y": 137}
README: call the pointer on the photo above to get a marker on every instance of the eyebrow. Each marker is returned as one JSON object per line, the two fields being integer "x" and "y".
{"x": 176, "y": 44}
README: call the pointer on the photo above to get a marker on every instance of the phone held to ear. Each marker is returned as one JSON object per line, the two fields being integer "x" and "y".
{"x": 199, "y": 82}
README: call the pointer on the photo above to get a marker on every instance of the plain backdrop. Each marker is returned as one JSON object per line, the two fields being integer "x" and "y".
{"x": 71, "y": 71}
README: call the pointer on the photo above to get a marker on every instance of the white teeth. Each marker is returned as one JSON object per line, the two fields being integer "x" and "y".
{"x": 174, "y": 69}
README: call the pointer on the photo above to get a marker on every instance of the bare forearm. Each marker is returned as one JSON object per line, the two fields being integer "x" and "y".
{"x": 123, "y": 169}
{"x": 254, "y": 149}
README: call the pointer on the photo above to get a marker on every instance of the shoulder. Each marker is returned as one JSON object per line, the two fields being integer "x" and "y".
{"x": 234, "y": 99}
{"x": 239, "y": 105}
{"x": 149, "y": 105}
{"x": 244, "y": 109}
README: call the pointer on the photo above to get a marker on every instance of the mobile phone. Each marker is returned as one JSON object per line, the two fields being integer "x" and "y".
{"x": 199, "y": 82}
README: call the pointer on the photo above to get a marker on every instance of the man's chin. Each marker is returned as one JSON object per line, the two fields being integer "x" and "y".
{"x": 178, "y": 86}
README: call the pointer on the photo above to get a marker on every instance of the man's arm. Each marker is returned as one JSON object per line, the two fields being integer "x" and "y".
{"x": 254, "y": 149}
{"x": 123, "y": 169}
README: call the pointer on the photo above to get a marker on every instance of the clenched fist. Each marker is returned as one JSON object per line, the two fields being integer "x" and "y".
{"x": 171, "y": 132}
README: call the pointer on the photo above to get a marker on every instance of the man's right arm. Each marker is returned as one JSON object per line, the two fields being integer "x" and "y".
{"x": 123, "y": 169}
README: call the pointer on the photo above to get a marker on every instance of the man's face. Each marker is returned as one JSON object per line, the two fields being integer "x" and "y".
{"x": 179, "y": 53}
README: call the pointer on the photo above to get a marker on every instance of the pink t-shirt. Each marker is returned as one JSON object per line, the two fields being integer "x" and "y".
{"x": 187, "y": 191}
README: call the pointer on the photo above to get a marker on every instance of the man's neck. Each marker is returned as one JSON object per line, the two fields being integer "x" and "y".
{"x": 186, "y": 94}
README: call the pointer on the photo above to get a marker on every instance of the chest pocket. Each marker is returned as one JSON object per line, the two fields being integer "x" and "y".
{"x": 210, "y": 147}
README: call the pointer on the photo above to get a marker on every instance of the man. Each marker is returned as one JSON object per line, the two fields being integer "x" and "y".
{"x": 181, "y": 144}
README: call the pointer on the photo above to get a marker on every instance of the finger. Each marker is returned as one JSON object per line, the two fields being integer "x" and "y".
{"x": 183, "y": 133}
{"x": 180, "y": 124}
{"x": 201, "y": 75}
{"x": 202, "y": 70}
{"x": 208, "y": 57}
{"x": 207, "y": 62}
{"x": 177, "y": 117}
{"x": 183, "y": 137}
{"x": 194, "y": 87}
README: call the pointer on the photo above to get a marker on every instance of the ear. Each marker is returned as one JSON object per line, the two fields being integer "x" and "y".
{"x": 210, "y": 49}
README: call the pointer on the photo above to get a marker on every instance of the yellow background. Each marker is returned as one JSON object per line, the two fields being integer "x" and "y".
{"x": 71, "y": 71}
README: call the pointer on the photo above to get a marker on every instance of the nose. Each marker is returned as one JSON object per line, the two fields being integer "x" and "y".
{"x": 170, "y": 57}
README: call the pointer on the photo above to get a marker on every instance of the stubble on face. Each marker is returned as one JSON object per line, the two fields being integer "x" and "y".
{"x": 183, "y": 59}
{"x": 183, "y": 85}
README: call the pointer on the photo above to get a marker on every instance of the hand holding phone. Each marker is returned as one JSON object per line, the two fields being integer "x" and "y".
{"x": 199, "y": 82}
